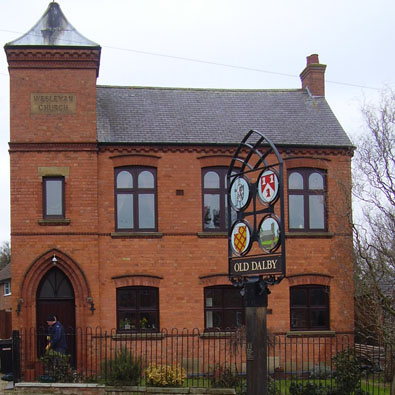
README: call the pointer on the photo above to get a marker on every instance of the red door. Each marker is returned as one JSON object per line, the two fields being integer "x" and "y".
{"x": 55, "y": 296}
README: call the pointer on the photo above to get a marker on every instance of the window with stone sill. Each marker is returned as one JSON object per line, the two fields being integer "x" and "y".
{"x": 214, "y": 190}
{"x": 53, "y": 198}
{"x": 309, "y": 307}
{"x": 307, "y": 200}
{"x": 223, "y": 307}
{"x": 135, "y": 199}
{"x": 137, "y": 309}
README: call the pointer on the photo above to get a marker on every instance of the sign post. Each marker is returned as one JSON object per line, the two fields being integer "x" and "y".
{"x": 256, "y": 242}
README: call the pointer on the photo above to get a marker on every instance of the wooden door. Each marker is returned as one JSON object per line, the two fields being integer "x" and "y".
{"x": 55, "y": 296}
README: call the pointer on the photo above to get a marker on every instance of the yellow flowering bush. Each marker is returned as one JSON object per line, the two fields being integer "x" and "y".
{"x": 165, "y": 375}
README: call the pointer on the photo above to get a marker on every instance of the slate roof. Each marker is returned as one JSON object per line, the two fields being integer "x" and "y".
{"x": 5, "y": 273}
{"x": 53, "y": 29}
{"x": 208, "y": 116}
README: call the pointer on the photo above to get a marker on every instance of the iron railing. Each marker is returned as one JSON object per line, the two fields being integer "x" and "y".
{"x": 207, "y": 358}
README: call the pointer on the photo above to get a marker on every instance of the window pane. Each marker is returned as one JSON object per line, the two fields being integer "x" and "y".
{"x": 213, "y": 297}
{"x": 232, "y": 319}
{"x": 298, "y": 297}
{"x": 299, "y": 318}
{"x": 124, "y": 180}
{"x": 127, "y": 299}
{"x": 54, "y": 199}
{"x": 125, "y": 211}
{"x": 146, "y": 211}
{"x": 209, "y": 319}
{"x": 146, "y": 180}
{"x": 318, "y": 318}
{"x": 232, "y": 298}
{"x": 296, "y": 212}
{"x": 216, "y": 320}
{"x": 127, "y": 320}
{"x": 148, "y": 298}
{"x": 148, "y": 320}
{"x": 233, "y": 213}
{"x": 318, "y": 297}
{"x": 295, "y": 181}
{"x": 316, "y": 206}
{"x": 211, "y": 180}
{"x": 47, "y": 290}
{"x": 211, "y": 211}
{"x": 316, "y": 181}
{"x": 64, "y": 289}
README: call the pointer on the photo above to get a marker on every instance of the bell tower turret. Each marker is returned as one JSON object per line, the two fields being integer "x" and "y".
{"x": 53, "y": 71}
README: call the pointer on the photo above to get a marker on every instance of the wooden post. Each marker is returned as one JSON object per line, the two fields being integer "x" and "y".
{"x": 256, "y": 338}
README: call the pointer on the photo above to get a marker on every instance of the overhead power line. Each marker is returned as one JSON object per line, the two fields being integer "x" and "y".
{"x": 219, "y": 64}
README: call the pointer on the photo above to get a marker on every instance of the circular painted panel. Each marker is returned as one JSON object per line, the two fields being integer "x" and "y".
{"x": 269, "y": 233}
{"x": 241, "y": 237}
{"x": 240, "y": 193}
{"x": 268, "y": 186}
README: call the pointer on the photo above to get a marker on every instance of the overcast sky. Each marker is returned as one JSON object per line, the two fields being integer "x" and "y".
{"x": 220, "y": 44}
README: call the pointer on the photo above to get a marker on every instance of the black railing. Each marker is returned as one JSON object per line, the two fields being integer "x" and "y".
{"x": 200, "y": 359}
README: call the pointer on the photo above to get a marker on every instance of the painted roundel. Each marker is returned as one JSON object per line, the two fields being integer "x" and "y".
{"x": 241, "y": 237}
{"x": 269, "y": 233}
{"x": 268, "y": 186}
{"x": 240, "y": 193}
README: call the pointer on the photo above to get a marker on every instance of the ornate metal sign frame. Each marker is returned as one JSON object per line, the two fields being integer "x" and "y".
{"x": 256, "y": 212}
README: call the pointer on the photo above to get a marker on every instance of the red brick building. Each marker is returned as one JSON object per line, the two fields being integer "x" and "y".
{"x": 118, "y": 195}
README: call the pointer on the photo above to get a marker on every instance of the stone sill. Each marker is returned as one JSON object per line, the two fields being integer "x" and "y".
{"x": 292, "y": 235}
{"x": 54, "y": 222}
{"x": 139, "y": 335}
{"x": 213, "y": 234}
{"x": 132, "y": 235}
{"x": 216, "y": 335}
{"x": 324, "y": 333}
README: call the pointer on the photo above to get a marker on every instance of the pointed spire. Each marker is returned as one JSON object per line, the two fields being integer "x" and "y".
{"x": 53, "y": 29}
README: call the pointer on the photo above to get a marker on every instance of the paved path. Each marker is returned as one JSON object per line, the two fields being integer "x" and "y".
{"x": 3, "y": 384}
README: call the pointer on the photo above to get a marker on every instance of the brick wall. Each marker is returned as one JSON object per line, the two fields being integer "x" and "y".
{"x": 178, "y": 259}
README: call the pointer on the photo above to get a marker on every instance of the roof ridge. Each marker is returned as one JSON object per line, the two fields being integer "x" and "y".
{"x": 131, "y": 87}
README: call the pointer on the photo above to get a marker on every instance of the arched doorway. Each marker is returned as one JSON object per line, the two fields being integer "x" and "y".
{"x": 55, "y": 295}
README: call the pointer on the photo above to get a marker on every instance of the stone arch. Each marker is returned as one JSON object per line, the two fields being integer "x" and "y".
{"x": 37, "y": 271}
{"x": 309, "y": 279}
{"x": 131, "y": 280}
{"x": 214, "y": 279}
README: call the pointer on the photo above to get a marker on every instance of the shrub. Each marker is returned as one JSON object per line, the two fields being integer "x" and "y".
{"x": 348, "y": 372}
{"x": 57, "y": 367}
{"x": 165, "y": 375}
{"x": 124, "y": 369}
{"x": 225, "y": 377}
{"x": 309, "y": 389}
{"x": 272, "y": 387}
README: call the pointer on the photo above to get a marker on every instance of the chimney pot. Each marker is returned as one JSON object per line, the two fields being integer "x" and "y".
{"x": 312, "y": 59}
{"x": 313, "y": 76}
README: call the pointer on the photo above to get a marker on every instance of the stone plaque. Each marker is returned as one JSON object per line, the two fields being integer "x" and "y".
{"x": 52, "y": 103}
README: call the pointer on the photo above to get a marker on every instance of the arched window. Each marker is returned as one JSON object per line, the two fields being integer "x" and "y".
{"x": 55, "y": 285}
{"x": 306, "y": 200}
{"x": 135, "y": 199}
{"x": 214, "y": 183}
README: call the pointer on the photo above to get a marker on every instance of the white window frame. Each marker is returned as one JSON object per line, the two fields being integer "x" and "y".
{"x": 7, "y": 288}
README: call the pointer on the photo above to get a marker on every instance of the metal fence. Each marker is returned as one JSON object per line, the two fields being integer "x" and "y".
{"x": 208, "y": 359}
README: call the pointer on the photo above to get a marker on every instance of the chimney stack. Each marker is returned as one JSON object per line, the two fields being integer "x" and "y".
{"x": 313, "y": 76}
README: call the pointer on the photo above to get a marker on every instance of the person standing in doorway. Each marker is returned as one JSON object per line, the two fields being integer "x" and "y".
{"x": 57, "y": 335}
